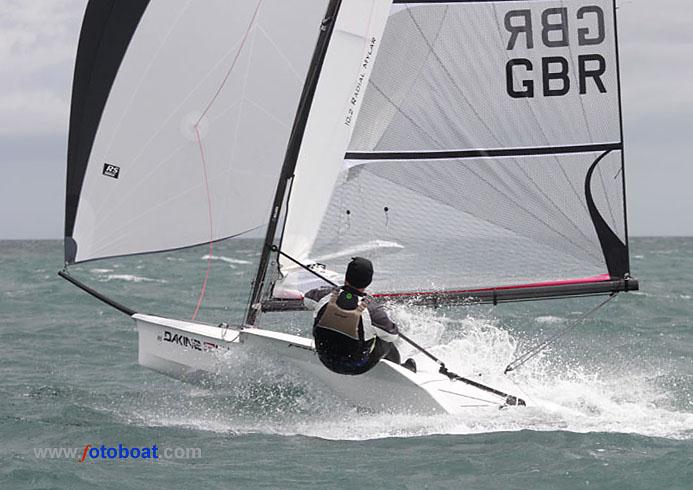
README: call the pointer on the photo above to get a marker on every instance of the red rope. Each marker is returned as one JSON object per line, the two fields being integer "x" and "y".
{"x": 233, "y": 64}
{"x": 211, "y": 224}
{"x": 198, "y": 138}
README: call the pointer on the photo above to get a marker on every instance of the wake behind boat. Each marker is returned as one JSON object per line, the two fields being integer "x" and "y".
{"x": 472, "y": 150}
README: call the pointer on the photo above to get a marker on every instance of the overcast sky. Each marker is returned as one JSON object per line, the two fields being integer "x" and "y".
{"x": 38, "y": 41}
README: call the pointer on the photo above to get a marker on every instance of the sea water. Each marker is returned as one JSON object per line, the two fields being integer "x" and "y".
{"x": 609, "y": 406}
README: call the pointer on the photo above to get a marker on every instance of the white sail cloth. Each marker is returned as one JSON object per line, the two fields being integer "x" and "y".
{"x": 191, "y": 140}
{"x": 340, "y": 91}
{"x": 469, "y": 160}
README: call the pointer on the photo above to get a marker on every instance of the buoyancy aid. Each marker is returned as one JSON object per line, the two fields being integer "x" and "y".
{"x": 343, "y": 320}
{"x": 339, "y": 329}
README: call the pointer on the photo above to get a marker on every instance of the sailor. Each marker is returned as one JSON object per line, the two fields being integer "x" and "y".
{"x": 352, "y": 331}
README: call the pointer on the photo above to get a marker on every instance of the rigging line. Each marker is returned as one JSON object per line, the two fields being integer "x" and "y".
{"x": 281, "y": 54}
{"x": 211, "y": 225}
{"x": 520, "y": 360}
{"x": 198, "y": 137}
{"x": 234, "y": 145}
{"x": 536, "y": 118}
{"x": 233, "y": 63}
{"x": 267, "y": 113}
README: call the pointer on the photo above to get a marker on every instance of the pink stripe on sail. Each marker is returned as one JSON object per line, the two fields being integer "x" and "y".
{"x": 563, "y": 282}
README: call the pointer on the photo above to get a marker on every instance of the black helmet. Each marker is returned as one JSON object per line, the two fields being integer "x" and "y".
{"x": 359, "y": 272}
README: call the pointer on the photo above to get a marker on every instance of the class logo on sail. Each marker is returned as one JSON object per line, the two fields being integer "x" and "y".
{"x": 111, "y": 170}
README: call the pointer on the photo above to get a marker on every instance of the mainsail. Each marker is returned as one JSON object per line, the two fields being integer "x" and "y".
{"x": 486, "y": 160}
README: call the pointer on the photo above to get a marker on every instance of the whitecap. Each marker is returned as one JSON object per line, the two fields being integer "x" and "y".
{"x": 549, "y": 319}
{"x": 358, "y": 249}
{"x": 228, "y": 260}
{"x": 131, "y": 278}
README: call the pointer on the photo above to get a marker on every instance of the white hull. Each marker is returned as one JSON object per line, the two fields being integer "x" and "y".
{"x": 190, "y": 351}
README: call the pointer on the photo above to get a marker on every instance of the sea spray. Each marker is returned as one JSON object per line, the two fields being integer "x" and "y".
{"x": 254, "y": 393}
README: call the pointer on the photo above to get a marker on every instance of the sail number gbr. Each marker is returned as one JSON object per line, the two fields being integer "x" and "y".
{"x": 552, "y": 30}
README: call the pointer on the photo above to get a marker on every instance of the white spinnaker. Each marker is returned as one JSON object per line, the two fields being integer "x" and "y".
{"x": 348, "y": 63}
{"x": 198, "y": 119}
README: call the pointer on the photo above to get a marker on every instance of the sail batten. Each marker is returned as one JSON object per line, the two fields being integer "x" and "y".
{"x": 475, "y": 153}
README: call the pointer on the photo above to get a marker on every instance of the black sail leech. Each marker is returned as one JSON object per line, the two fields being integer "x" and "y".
{"x": 107, "y": 29}
{"x": 615, "y": 251}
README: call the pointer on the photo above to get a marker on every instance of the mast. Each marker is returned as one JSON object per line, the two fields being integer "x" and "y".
{"x": 292, "y": 152}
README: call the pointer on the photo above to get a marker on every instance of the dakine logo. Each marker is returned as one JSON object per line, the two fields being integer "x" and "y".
{"x": 188, "y": 342}
{"x": 111, "y": 170}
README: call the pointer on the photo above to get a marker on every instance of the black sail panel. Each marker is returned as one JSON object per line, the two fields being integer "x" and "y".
{"x": 107, "y": 29}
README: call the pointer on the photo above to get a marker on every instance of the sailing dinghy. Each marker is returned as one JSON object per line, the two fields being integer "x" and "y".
{"x": 472, "y": 149}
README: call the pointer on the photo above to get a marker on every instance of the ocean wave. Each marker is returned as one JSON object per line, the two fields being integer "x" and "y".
{"x": 549, "y": 319}
{"x": 131, "y": 278}
{"x": 358, "y": 249}
{"x": 228, "y": 260}
{"x": 561, "y": 396}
